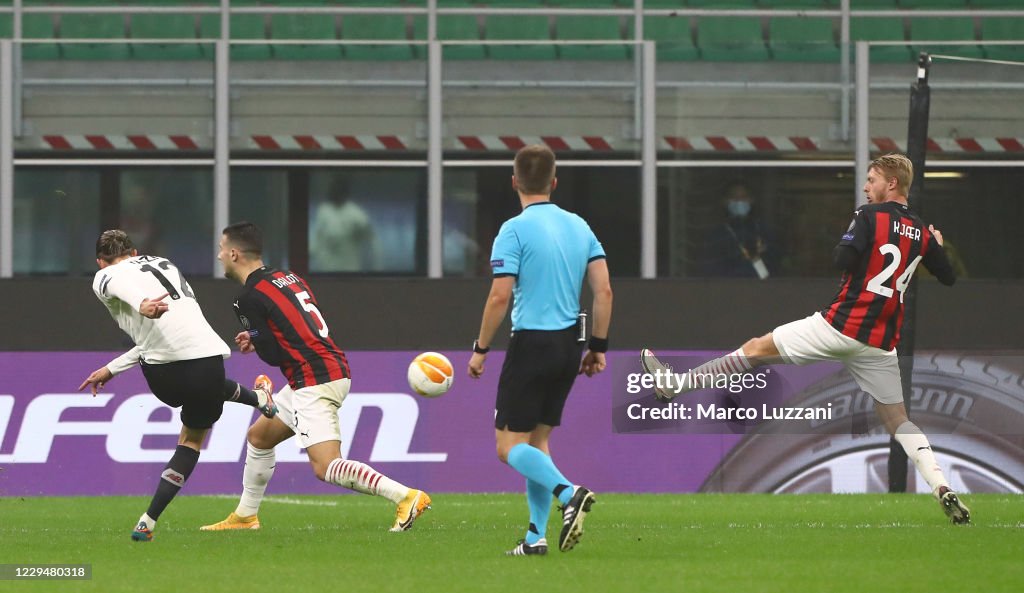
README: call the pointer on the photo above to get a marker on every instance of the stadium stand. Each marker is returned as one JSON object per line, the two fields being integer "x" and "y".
{"x": 366, "y": 27}
{"x": 453, "y": 27}
{"x": 881, "y": 29}
{"x": 304, "y": 26}
{"x": 723, "y": 38}
{"x": 711, "y": 38}
{"x": 164, "y": 26}
{"x": 795, "y": 39}
{"x": 525, "y": 27}
{"x": 945, "y": 29}
{"x": 590, "y": 27}
{"x": 673, "y": 37}
{"x": 1003, "y": 29}
{"x": 243, "y": 26}
{"x": 94, "y": 26}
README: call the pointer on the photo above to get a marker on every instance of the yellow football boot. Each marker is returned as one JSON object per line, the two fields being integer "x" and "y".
{"x": 234, "y": 522}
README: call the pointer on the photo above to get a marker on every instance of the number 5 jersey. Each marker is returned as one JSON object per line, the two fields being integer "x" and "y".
{"x": 284, "y": 322}
{"x": 182, "y": 333}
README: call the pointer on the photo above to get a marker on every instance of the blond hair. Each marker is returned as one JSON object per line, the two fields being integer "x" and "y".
{"x": 898, "y": 166}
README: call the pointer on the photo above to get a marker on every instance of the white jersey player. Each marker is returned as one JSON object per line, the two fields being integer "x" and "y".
{"x": 180, "y": 333}
{"x": 181, "y": 356}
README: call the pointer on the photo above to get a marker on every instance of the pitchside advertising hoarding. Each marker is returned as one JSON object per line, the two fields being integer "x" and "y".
{"x": 778, "y": 429}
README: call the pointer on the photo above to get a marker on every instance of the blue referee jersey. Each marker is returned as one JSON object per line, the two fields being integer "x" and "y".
{"x": 547, "y": 249}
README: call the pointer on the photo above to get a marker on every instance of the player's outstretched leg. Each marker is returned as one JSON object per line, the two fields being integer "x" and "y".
{"x": 667, "y": 389}
{"x": 260, "y": 396}
{"x": 175, "y": 473}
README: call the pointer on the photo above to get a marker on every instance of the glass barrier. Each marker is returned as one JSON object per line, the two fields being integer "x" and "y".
{"x": 56, "y": 220}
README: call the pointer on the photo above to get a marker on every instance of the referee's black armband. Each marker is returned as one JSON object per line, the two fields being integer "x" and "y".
{"x": 597, "y": 344}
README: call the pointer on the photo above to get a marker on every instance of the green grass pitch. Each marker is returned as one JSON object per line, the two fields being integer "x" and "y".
{"x": 688, "y": 543}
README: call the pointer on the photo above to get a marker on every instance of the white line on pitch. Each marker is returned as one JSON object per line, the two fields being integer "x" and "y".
{"x": 285, "y": 500}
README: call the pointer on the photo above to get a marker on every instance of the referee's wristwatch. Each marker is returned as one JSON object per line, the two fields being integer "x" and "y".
{"x": 478, "y": 350}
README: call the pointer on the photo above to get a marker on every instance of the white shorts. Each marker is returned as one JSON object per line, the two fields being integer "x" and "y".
{"x": 312, "y": 412}
{"x": 813, "y": 339}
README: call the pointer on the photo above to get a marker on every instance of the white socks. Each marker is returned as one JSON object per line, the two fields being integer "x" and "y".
{"x": 259, "y": 467}
{"x": 362, "y": 478}
{"x": 734, "y": 363}
{"x": 920, "y": 452}
{"x": 149, "y": 521}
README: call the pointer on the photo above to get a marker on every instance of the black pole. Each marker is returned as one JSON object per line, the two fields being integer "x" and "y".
{"x": 917, "y": 145}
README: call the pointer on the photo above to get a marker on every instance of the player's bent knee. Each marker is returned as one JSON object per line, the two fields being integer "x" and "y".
{"x": 258, "y": 438}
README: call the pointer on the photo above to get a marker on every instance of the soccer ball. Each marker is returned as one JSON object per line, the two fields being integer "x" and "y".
{"x": 430, "y": 374}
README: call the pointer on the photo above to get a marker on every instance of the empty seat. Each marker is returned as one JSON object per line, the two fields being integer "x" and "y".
{"x": 304, "y": 26}
{"x": 164, "y": 26}
{"x": 525, "y": 27}
{"x": 587, "y": 3}
{"x": 672, "y": 37}
{"x": 803, "y": 39}
{"x": 93, "y": 26}
{"x": 1003, "y": 29}
{"x": 38, "y": 26}
{"x": 242, "y": 26}
{"x": 808, "y": 4}
{"x": 995, "y": 3}
{"x": 602, "y": 28}
{"x": 452, "y": 27}
{"x": 945, "y": 29}
{"x": 733, "y": 39}
{"x": 881, "y": 29}
{"x": 934, "y": 4}
{"x": 721, "y": 3}
{"x": 6, "y": 25}
{"x": 366, "y": 27}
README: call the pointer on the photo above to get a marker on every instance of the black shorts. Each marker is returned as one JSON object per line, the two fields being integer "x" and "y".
{"x": 540, "y": 368}
{"x": 196, "y": 386}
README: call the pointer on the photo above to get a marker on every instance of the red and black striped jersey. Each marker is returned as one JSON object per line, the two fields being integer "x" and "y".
{"x": 284, "y": 321}
{"x": 890, "y": 241}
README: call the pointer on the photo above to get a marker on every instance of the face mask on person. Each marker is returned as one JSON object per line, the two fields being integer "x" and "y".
{"x": 739, "y": 208}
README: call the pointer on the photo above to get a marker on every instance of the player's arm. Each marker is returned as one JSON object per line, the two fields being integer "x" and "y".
{"x": 101, "y": 376}
{"x": 119, "y": 287}
{"x": 254, "y": 316}
{"x": 848, "y": 253}
{"x": 936, "y": 260}
{"x": 505, "y": 266}
{"x": 601, "y": 286}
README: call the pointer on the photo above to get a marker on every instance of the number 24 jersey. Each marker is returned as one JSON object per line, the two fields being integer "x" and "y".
{"x": 891, "y": 241}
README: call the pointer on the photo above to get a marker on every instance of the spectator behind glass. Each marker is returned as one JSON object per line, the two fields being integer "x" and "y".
{"x": 741, "y": 246}
{"x": 341, "y": 238}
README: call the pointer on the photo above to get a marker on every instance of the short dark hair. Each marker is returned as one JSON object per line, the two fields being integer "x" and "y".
{"x": 534, "y": 169}
{"x": 113, "y": 244}
{"x": 245, "y": 236}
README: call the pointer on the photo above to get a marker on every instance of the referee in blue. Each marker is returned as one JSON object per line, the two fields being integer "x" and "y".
{"x": 540, "y": 258}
